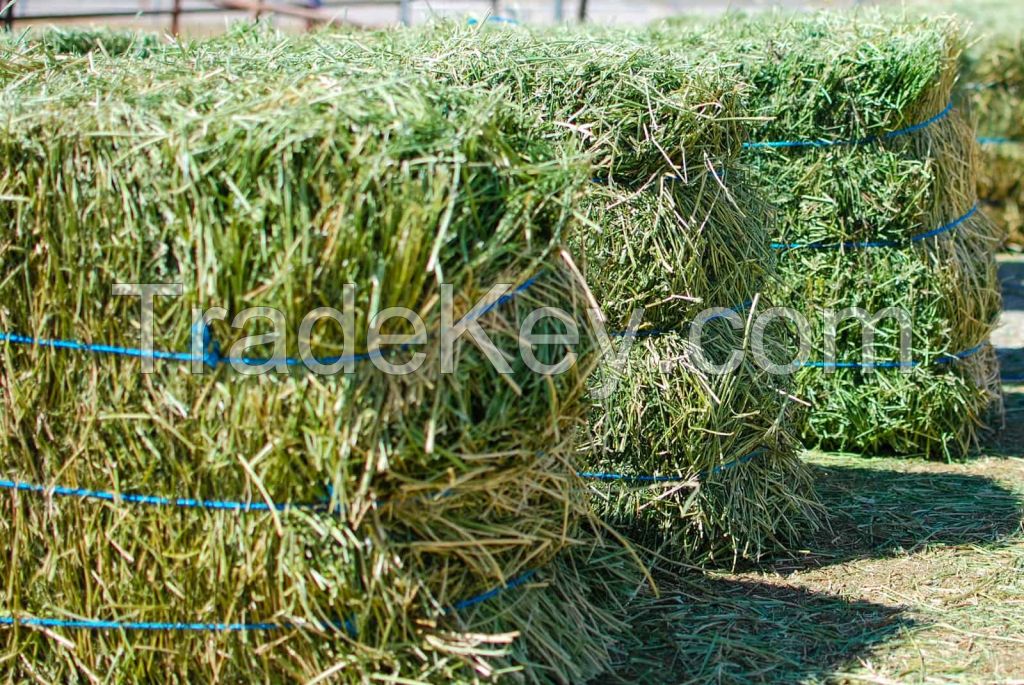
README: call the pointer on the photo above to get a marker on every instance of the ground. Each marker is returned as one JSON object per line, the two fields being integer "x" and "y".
{"x": 919, "y": 580}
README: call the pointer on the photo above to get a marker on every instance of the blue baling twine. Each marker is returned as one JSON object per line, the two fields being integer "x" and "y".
{"x": 945, "y": 228}
{"x": 347, "y": 624}
{"x": 95, "y": 349}
{"x": 639, "y": 480}
{"x": 491, "y": 594}
{"x": 211, "y": 355}
{"x": 504, "y": 299}
{"x": 91, "y": 624}
{"x": 494, "y": 19}
{"x": 855, "y": 141}
{"x": 155, "y": 500}
{"x": 997, "y": 140}
{"x": 948, "y": 359}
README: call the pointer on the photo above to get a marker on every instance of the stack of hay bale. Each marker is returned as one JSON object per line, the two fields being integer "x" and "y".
{"x": 702, "y": 465}
{"x": 994, "y": 83}
{"x": 338, "y": 525}
{"x": 872, "y": 174}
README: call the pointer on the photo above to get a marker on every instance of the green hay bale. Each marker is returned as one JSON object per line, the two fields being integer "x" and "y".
{"x": 78, "y": 41}
{"x": 833, "y": 77}
{"x": 993, "y": 85}
{"x": 273, "y": 184}
{"x": 668, "y": 226}
{"x": 729, "y": 485}
{"x": 732, "y": 486}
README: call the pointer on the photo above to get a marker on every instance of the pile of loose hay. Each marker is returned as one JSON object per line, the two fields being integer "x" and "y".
{"x": 359, "y": 522}
{"x": 873, "y": 177}
{"x": 703, "y": 466}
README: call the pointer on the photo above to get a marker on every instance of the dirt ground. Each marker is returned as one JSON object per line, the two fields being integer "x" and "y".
{"x": 919, "y": 580}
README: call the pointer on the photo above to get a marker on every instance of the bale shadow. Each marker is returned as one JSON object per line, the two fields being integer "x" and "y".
{"x": 1009, "y": 442}
{"x": 1009, "y": 337}
{"x": 1011, "y": 278}
{"x": 722, "y": 629}
{"x": 880, "y": 513}
{"x": 705, "y": 629}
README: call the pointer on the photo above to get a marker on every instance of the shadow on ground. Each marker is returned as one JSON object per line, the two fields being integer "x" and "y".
{"x": 1009, "y": 338}
{"x": 1009, "y": 442}
{"x": 706, "y": 629}
{"x": 1011, "y": 278}
{"x": 877, "y": 513}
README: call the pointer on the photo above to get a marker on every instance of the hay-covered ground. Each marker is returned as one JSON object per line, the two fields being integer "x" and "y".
{"x": 919, "y": 580}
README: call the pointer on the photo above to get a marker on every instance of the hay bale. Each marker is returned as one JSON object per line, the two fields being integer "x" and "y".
{"x": 1001, "y": 184}
{"x": 903, "y": 181}
{"x": 80, "y": 41}
{"x": 357, "y": 522}
{"x": 667, "y": 226}
{"x": 994, "y": 83}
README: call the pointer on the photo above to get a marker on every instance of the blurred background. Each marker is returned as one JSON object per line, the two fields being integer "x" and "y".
{"x": 197, "y": 17}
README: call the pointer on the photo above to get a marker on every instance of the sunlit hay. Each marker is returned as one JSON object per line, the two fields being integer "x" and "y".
{"x": 697, "y": 464}
{"x": 252, "y": 183}
{"x": 668, "y": 227}
{"x": 858, "y": 78}
{"x": 994, "y": 83}
{"x": 673, "y": 250}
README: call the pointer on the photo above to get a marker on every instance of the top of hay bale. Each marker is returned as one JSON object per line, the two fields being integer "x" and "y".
{"x": 662, "y": 137}
{"x": 637, "y": 112}
{"x": 827, "y": 75}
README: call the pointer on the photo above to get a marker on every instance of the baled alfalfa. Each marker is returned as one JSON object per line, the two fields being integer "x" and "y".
{"x": 872, "y": 174}
{"x": 994, "y": 84}
{"x": 667, "y": 227}
{"x": 701, "y": 464}
{"x": 405, "y": 500}
{"x": 110, "y": 42}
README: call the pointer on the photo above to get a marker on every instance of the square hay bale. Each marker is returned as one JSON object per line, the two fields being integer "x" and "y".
{"x": 668, "y": 226}
{"x": 992, "y": 85}
{"x": 993, "y": 81}
{"x": 200, "y": 522}
{"x": 872, "y": 174}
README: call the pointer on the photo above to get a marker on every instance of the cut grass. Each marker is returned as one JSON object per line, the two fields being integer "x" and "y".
{"x": 919, "y": 580}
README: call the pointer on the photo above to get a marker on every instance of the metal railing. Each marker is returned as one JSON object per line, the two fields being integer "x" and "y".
{"x": 313, "y": 12}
